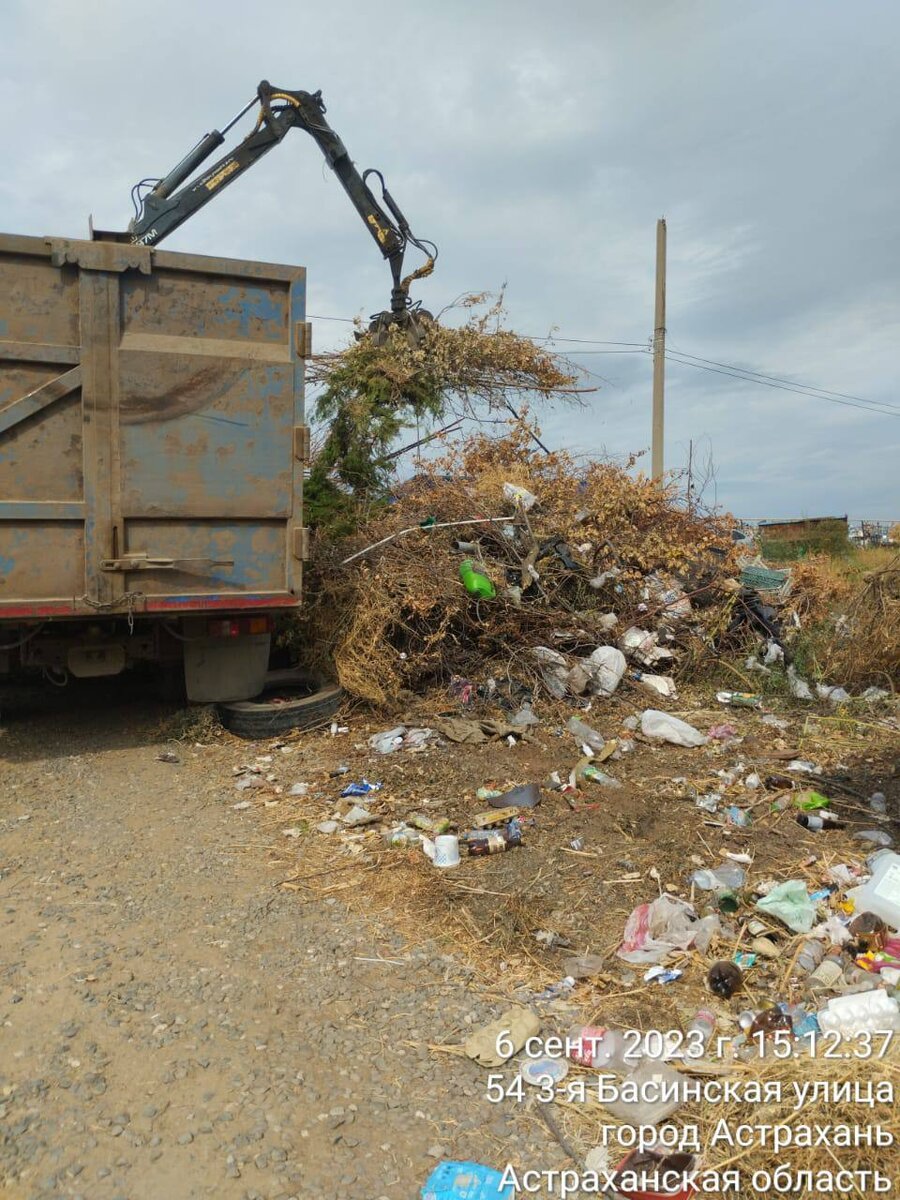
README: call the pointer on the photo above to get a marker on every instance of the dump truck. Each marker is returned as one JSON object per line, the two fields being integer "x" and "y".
{"x": 152, "y": 443}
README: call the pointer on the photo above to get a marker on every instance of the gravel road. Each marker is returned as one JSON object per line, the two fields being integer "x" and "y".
{"x": 174, "y": 1026}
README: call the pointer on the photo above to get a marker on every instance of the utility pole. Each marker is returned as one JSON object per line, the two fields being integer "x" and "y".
{"x": 690, "y": 488}
{"x": 659, "y": 355}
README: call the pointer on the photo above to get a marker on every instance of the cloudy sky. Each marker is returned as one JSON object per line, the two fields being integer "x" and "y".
{"x": 537, "y": 145}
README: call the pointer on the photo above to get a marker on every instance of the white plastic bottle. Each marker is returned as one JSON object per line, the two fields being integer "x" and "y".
{"x": 881, "y": 895}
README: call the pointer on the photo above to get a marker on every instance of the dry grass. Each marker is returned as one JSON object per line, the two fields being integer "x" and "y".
{"x": 399, "y": 617}
{"x": 583, "y": 1123}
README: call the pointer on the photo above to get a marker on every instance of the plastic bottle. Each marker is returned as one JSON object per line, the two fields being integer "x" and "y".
{"x": 600, "y": 1048}
{"x": 812, "y": 951}
{"x": 584, "y": 733}
{"x": 725, "y": 979}
{"x": 475, "y": 583}
{"x": 722, "y": 879}
{"x": 881, "y": 895}
{"x": 869, "y": 931}
{"x": 771, "y": 1020}
{"x": 819, "y": 821}
{"x": 703, "y": 1023}
{"x": 828, "y": 973}
{"x": 495, "y": 841}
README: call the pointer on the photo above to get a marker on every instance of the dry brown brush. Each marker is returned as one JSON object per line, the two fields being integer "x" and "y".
{"x": 399, "y": 617}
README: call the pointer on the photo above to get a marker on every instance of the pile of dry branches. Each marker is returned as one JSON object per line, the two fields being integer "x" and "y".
{"x": 399, "y": 617}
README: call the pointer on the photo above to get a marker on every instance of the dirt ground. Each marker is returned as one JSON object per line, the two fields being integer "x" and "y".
{"x": 200, "y": 999}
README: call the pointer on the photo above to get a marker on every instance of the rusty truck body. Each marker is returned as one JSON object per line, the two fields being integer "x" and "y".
{"x": 152, "y": 442}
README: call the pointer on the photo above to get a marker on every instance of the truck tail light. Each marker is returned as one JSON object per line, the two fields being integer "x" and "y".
{"x": 229, "y": 627}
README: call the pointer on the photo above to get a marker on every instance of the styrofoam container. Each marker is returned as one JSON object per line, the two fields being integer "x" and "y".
{"x": 873, "y": 1012}
{"x": 881, "y": 895}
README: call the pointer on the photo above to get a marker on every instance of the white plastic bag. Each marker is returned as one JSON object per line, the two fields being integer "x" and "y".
{"x": 663, "y": 727}
{"x": 554, "y": 670}
{"x": 799, "y": 687}
{"x": 606, "y": 666}
{"x": 662, "y": 685}
{"x": 519, "y": 496}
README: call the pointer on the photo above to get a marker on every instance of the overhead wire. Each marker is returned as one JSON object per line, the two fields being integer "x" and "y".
{"x": 886, "y": 412}
{"x": 713, "y": 366}
{"x": 792, "y": 383}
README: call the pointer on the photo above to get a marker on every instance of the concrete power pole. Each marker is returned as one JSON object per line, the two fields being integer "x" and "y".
{"x": 659, "y": 354}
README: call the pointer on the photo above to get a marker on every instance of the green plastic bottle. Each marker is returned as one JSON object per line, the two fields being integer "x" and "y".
{"x": 474, "y": 582}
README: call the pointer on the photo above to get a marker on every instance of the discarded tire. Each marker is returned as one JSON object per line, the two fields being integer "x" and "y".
{"x": 290, "y": 700}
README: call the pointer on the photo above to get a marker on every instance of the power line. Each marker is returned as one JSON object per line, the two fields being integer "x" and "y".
{"x": 886, "y": 412}
{"x": 713, "y": 366}
{"x": 809, "y": 387}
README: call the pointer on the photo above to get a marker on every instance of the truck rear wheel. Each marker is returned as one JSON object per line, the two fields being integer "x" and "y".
{"x": 290, "y": 700}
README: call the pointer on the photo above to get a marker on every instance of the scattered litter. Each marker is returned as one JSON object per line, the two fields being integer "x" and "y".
{"x": 662, "y": 975}
{"x": 656, "y": 929}
{"x": 834, "y": 695}
{"x": 790, "y": 903}
{"x": 516, "y": 1025}
{"x": 298, "y": 789}
{"x": 739, "y": 699}
{"x": 804, "y": 766}
{"x": 662, "y": 726}
{"x": 739, "y": 816}
{"x": 539, "y": 1072}
{"x": 466, "y": 1181}
{"x": 363, "y": 788}
{"x": 867, "y": 1012}
{"x": 241, "y": 805}
{"x": 709, "y": 802}
{"x": 661, "y": 685}
{"x": 443, "y": 851}
{"x": 878, "y": 802}
{"x": 800, "y": 689}
{"x": 327, "y": 826}
{"x": 643, "y": 646}
{"x": 294, "y": 832}
{"x": 359, "y": 816}
{"x": 875, "y": 837}
{"x": 723, "y": 878}
{"x": 527, "y": 795}
{"x": 168, "y": 756}
{"x": 242, "y": 782}
{"x": 584, "y": 966}
{"x": 721, "y": 733}
{"x": 724, "y": 979}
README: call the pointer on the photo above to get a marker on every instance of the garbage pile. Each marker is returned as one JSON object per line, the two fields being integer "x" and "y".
{"x": 504, "y": 553}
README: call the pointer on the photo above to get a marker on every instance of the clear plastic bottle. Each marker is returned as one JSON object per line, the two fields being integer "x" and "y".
{"x": 812, "y": 951}
{"x": 703, "y": 1023}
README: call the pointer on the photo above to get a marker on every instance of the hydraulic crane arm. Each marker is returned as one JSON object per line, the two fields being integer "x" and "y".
{"x": 172, "y": 199}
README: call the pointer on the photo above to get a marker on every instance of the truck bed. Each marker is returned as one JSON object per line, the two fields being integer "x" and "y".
{"x": 152, "y": 432}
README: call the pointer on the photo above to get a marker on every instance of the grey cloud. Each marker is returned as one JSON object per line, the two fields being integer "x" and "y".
{"x": 538, "y": 146}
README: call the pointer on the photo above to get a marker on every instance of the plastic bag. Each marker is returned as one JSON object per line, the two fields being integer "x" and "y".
{"x": 644, "y": 646}
{"x": 466, "y": 1181}
{"x": 554, "y": 670}
{"x": 520, "y": 496}
{"x": 662, "y": 685}
{"x": 799, "y": 687}
{"x": 389, "y": 741}
{"x": 606, "y": 666}
{"x": 722, "y": 879}
{"x": 583, "y": 734}
{"x": 664, "y": 727}
{"x": 656, "y": 929}
{"x": 790, "y": 903}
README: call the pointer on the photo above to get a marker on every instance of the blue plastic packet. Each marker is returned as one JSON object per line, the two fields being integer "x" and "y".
{"x": 466, "y": 1181}
{"x": 360, "y": 789}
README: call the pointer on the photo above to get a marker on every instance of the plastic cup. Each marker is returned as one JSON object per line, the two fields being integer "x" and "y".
{"x": 446, "y": 850}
